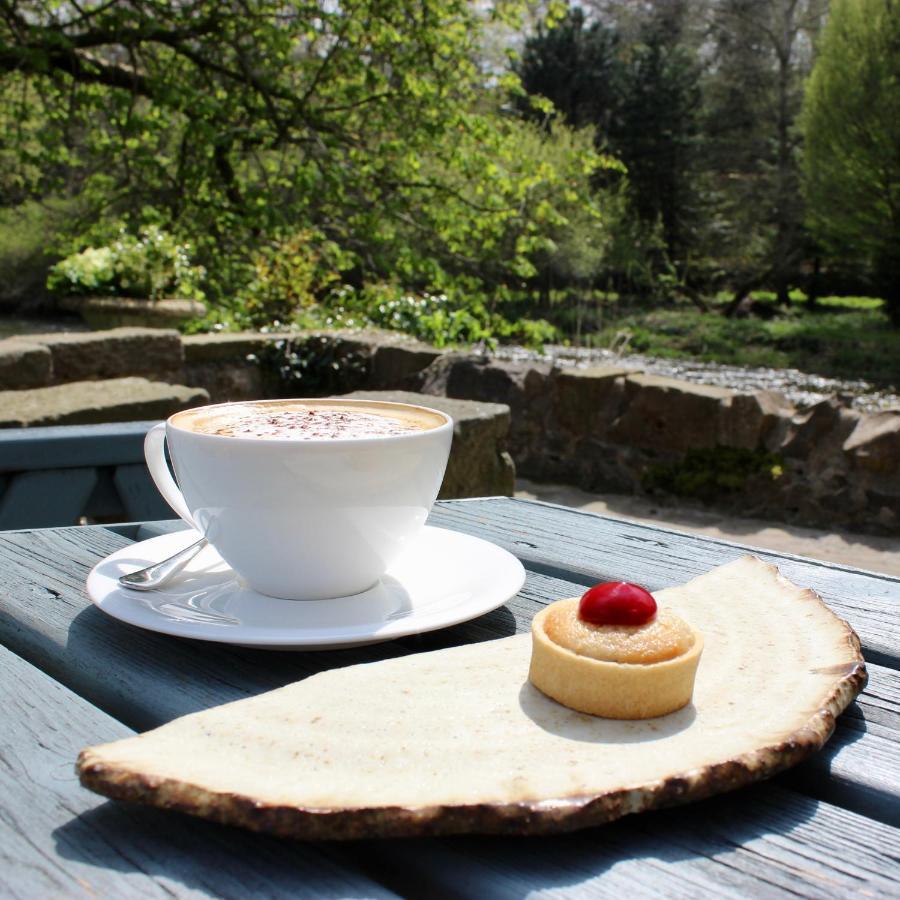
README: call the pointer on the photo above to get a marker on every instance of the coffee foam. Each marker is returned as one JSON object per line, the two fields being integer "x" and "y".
{"x": 308, "y": 420}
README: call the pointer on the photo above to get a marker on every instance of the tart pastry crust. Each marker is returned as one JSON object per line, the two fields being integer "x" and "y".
{"x": 613, "y": 690}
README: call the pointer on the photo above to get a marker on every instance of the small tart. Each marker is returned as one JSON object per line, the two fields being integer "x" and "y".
{"x": 664, "y": 637}
{"x": 614, "y": 671}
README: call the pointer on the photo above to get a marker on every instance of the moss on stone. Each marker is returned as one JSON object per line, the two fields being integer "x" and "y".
{"x": 710, "y": 473}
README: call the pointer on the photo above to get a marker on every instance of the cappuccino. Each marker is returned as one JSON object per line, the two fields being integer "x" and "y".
{"x": 308, "y": 420}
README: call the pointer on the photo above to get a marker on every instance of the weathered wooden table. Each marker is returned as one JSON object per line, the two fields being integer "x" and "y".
{"x": 73, "y": 677}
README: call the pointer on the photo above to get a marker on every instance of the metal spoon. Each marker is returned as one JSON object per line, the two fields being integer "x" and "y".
{"x": 158, "y": 574}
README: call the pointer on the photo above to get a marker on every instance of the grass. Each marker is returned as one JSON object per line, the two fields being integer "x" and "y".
{"x": 848, "y": 337}
{"x": 25, "y": 232}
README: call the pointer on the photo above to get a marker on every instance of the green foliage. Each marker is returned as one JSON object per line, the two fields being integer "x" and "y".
{"x": 443, "y": 320}
{"x": 271, "y": 136}
{"x": 852, "y": 122}
{"x": 290, "y": 275}
{"x": 848, "y": 340}
{"x": 709, "y": 474}
{"x": 151, "y": 264}
{"x": 574, "y": 64}
{"x": 25, "y": 253}
{"x": 365, "y": 164}
{"x": 310, "y": 366}
{"x": 642, "y": 99}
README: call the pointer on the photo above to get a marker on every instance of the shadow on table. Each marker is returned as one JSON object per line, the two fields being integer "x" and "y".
{"x": 159, "y": 677}
{"x": 556, "y": 719}
{"x": 202, "y": 856}
{"x": 705, "y": 846}
{"x": 847, "y": 776}
{"x": 692, "y": 851}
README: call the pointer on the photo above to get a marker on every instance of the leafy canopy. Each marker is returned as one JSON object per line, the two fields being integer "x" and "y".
{"x": 247, "y": 124}
{"x": 852, "y": 122}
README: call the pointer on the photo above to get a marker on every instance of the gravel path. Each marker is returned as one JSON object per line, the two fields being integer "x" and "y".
{"x": 801, "y": 388}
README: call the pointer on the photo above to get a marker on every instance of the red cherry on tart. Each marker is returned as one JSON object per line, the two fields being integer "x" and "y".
{"x": 616, "y": 603}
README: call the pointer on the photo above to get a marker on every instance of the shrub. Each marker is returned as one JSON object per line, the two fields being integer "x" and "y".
{"x": 150, "y": 265}
{"x": 439, "y": 318}
{"x": 291, "y": 274}
{"x": 25, "y": 252}
{"x": 709, "y": 474}
{"x": 310, "y": 366}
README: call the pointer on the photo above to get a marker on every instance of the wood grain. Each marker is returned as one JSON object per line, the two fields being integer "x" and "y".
{"x": 762, "y": 842}
{"x": 587, "y": 548}
{"x": 766, "y": 841}
{"x": 158, "y": 678}
{"x": 858, "y": 768}
{"x": 59, "y": 840}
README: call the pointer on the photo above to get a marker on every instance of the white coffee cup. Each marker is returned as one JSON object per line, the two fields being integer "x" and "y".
{"x": 304, "y": 518}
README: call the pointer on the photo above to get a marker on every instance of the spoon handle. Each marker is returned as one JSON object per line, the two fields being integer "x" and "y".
{"x": 158, "y": 574}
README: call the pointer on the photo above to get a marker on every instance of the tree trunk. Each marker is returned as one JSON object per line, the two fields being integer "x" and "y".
{"x": 743, "y": 290}
{"x": 812, "y": 297}
{"x": 784, "y": 188}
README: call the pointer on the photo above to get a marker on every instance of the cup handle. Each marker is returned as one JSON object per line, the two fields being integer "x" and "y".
{"x": 154, "y": 453}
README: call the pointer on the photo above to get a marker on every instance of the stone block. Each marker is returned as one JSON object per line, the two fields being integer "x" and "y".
{"x": 819, "y": 433}
{"x": 84, "y": 356}
{"x": 225, "y": 365}
{"x": 587, "y": 401}
{"x": 881, "y": 512}
{"x": 24, "y": 365}
{"x": 227, "y": 382}
{"x": 874, "y": 443}
{"x": 667, "y": 415}
{"x": 751, "y": 421}
{"x": 92, "y": 402}
{"x": 479, "y": 465}
{"x": 230, "y": 347}
{"x": 394, "y": 363}
{"x": 524, "y": 388}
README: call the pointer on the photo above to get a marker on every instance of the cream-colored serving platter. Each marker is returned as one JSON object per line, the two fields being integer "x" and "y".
{"x": 459, "y": 741}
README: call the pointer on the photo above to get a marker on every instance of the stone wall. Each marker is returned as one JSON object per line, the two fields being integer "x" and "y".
{"x": 605, "y": 429}
{"x": 611, "y": 429}
{"x": 608, "y": 429}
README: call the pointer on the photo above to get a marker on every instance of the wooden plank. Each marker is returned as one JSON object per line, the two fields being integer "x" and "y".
{"x": 586, "y": 547}
{"x": 62, "y": 446}
{"x": 104, "y": 502}
{"x": 58, "y": 839}
{"x": 140, "y": 496}
{"x": 859, "y": 768}
{"x": 764, "y": 842}
{"x": 45, "y": 617}
{"x": 46, "y": 498}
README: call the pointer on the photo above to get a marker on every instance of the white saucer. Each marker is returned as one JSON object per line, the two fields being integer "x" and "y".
{"x": 443, "y": 579}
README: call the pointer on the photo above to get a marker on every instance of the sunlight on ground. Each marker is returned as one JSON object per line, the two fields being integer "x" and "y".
{"x": 860, "y": 551}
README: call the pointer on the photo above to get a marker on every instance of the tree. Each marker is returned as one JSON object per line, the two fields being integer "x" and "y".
{"x": 574, "y": 64}
{"x": 763, "y": 50}
{"x": 852, "y": 122}
{"x": 641, "y": 97}
{"x": 656, "y": 132}
{"x": 242, "y": 122}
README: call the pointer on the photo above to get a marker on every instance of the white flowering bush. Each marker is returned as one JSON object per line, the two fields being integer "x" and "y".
{"x": 149, "y": 265}
{"x": 437, "y": 317}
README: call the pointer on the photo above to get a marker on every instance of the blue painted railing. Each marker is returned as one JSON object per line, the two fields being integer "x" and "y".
{"x": 69, "y": 474}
